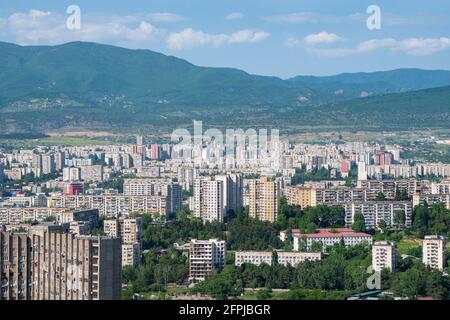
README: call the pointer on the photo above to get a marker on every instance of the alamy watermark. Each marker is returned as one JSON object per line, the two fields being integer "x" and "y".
{"x": 374, "y": 20}
{"x": 234, "y": 145}
{"x": 73, "y": 22}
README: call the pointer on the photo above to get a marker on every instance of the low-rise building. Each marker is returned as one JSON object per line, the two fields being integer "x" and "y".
{"x": 329, "y": 237}
{"x": 266, "y": 257}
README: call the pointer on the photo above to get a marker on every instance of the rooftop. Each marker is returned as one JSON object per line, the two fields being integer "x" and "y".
{"x": 337, "y": 232}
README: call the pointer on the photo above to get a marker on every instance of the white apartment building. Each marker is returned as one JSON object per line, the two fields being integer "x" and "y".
{"x": 112, "y": 205}
{"x": 329, "y": 237}
{"x": 433, "y": 252}
{"x": 205, "y": 256}
{"x": 155, "y": 187}
{"x": 375, "y": 212}
{"x": 432, "y": 199}
{"x": 232, "y": 191}
{"x": 208, "y": 203}
{"x": 71, "y": 174}
{"x": 383, "y": 255}
{"x": 284, "y": 258}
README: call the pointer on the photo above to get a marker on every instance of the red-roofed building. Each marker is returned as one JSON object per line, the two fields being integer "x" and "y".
{"x": 329, "y": 237}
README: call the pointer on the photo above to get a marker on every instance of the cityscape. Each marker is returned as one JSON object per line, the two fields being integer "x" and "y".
{"x": 129, "y": 174}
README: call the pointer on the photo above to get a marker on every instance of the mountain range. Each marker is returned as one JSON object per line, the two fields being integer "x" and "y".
{"x": 102, "y": 86}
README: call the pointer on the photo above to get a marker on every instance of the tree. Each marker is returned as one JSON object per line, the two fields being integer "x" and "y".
{"x": 317, "y": 246}
{"x": 399, "y": 218}
{"x": 382, "y": 225}
{"x": 380, "y": 197}
{"x": 436, "y": 285}
{"x": 411, "y": 283}
{"x": 420, "y": 220}
{"x": 359, "y": 223}
{"x": 263, "y": 294}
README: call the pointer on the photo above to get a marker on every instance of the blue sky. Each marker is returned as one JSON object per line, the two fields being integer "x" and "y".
{"x": 270, "y": 37}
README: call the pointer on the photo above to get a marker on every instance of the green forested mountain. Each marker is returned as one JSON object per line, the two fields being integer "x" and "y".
{"x": 104, "y": 87}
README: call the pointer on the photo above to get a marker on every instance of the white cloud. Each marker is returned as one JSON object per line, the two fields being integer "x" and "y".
{"x": 410, "y": 46}
{"x": 294, "y": 18}
{"x": 189, "y": 38}
{"x": 164, "y": 17}
{"x": 38, "y": 27}
{"x": 235, "y": 16}
{"x": 292, "y": 42}
{"x": 322, "y": 37}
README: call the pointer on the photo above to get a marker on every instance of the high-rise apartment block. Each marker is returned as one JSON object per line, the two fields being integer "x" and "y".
{"x": 129, "y": 231}
{"x": 433, "y": 252}
{"x": 15, "y": 266}
{"x": 205, "y": 256}
{"x": 208, "y": 203}
{"x": 232, "y": 191}
{"x": 383, "y": 256}
{"x": 159, "y": 187}
{"x": 53, "y": 264}
{"x": 264, "y": 199}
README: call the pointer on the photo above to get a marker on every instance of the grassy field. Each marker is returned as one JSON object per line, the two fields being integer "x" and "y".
{"x": 406, "y": 244}
{"x": 56, "y": 140}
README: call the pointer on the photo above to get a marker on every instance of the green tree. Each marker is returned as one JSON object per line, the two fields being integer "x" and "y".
{"x": 359, "y": 223}
{"x": 436, "y": 285}
{"x": 380, "y": 197}
{"x": 411, "y": 283}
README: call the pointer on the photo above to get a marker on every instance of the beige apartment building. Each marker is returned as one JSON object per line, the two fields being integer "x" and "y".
{"x": 300, "y": 196}
{"x": 53, "y": 264}
{"x": 383, "y": 255}
{"x": 433, "y": 252}
{"x": 129, "y": 231}
{"x": 264, "y": 199}
{"x": 15, "y": 258}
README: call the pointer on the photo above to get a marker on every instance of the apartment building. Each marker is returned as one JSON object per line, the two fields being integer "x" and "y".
{"x": 112, "y": 205}
{"x": 432, "y": 199}
{"x": 375, "y": 212}
{"x": 15, "y": 262}
{"x": 129, "y": 231}
{"x": 208, "y": 203}
{"x": 329, "y": 237}
{"x": 155, "y": 187}
{"x": 232, "y": 191}
{"x": 69, "y": 267}
{"x": 131, "y": 254}
{"x": 71, "y": 174}
{"x": 284, "y": 258}
{"x": 300, "y": 196}
{"x": 383, "y": 256}
{"x": 205, "y": 256}
{"x": 50, "y": 263}
{"x": 433, "y": 252}
{"x": 19, "y": 215}
{"x": 264, "y": 199}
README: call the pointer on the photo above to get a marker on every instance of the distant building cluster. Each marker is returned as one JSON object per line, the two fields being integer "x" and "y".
{"x": 53, "y": 199}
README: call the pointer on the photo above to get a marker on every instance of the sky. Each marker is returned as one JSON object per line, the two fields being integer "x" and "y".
{"x": 282, "y": 38}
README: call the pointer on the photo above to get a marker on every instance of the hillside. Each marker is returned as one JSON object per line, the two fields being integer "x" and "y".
{"x": 101, "y": 87}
